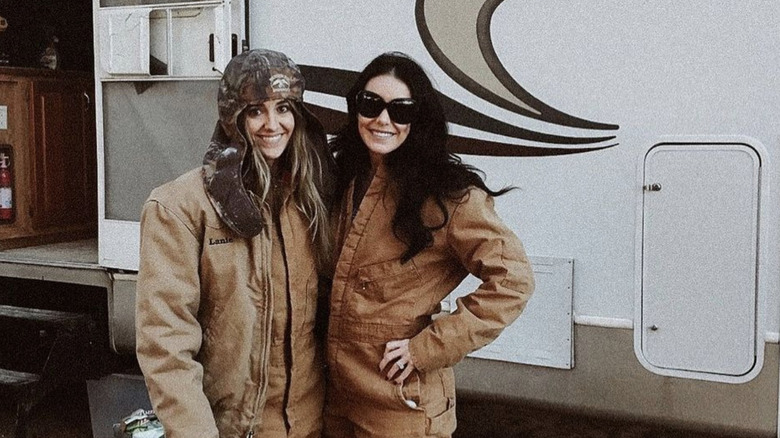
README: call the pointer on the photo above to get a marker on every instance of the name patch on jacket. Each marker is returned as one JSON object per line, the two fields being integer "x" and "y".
{"x": 220, "y": 241}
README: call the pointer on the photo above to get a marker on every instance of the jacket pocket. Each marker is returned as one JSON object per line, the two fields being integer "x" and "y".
{"x": 408, "y": 392}
{"x": 440, "y": 410}
{"x": 433, "y": 393}
{"x": 442, "y": 425}
{"x": 387, "y": 291}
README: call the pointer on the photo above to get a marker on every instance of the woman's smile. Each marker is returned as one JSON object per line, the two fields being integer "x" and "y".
{"x": 270, "y": 124}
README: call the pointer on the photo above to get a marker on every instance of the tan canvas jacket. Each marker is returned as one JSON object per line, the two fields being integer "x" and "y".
{"x": 204, "y": 316}
{"x": 376, "y": 299}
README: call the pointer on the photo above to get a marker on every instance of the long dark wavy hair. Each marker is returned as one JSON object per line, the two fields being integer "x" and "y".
{"x": 421, "y": 167}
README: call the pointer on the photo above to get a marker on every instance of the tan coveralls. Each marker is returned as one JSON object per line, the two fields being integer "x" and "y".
{"x": 376, "y": 299}
{"x": 205, "y": 341}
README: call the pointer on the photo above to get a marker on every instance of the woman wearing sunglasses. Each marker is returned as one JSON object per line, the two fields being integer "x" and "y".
{"x": 413, "y": 222}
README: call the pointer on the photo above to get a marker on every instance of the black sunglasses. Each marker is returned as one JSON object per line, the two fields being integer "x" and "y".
{"x": 401, "y": 111}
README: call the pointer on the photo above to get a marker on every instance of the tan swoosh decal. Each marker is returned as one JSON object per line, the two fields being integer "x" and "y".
{"x": 459, "y": 40}
{"x": 454, "y": 31}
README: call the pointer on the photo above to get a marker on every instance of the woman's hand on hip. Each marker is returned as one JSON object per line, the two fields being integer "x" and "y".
{"x": 397, "y": 353}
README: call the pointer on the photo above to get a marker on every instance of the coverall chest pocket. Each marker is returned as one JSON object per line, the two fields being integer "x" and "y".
{"x": 388, "y": 291}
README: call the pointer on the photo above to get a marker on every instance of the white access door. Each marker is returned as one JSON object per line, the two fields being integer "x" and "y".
{"x": 699, "y": 258}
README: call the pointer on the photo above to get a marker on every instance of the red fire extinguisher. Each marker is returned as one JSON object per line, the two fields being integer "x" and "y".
{"x": 6, "y": 189}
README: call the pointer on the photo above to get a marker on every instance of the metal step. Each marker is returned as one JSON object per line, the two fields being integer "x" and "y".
{"x": 17, "y": 378}
{"x": 27, "y": 389}
{"x": 42, "y": 316}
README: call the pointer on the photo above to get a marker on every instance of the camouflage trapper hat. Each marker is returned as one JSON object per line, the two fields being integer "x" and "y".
{"x": 255, "y": 76}
{"x": 250, "y": 78}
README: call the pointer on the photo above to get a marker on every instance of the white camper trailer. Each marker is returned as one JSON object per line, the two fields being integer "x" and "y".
{"x": 643, "y": 137}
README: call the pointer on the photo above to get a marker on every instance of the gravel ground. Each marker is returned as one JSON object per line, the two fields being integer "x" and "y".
{"x": 65, "y": 414}
{"x": 480, "y": 418}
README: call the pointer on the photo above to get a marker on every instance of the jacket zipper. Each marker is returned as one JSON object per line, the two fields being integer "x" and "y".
{"x": 266, "y": 263}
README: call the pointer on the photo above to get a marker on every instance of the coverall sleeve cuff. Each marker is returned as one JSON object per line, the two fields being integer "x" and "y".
{"x": 421, "y": 354}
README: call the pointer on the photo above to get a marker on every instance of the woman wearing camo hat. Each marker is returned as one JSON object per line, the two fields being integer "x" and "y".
{"x": 231, "y": 254}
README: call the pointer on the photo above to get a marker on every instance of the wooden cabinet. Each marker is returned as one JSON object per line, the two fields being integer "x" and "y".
{"x": 50, "y": 126}
{"x": 63, "y": 164}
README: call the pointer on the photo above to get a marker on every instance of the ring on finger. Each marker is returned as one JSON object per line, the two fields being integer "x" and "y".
{"x": 400, "y": 365}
